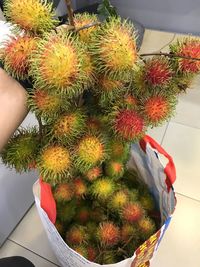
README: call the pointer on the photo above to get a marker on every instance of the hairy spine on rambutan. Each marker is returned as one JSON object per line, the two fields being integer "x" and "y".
{"x": 34, "y": 16}
{"x": 114, "y": 49}
{"x": 90, "y": 151}
{"x": 114, "y": 169}
{"x": 66, "y": 211}
{"x": 132, "y": 212}
{"x": 21, "y": 150}
{"x": 80, "y": 188}
{"x": 118, "y": 200}
{"x": 147, "y": 227}
{"x": 118, "y": 150}
{"x": 127, "y": 124}
{"x": 76, "y": 235}
{"x": 128, "y": 231}
{"x": 81, "y": 249}
{"x": 54, "y": 163}
{"x": 83, "y": 214}
{"x": 108, "y": 234}
{"x": 93, "y": 173}
{"x": 17, "y": 52}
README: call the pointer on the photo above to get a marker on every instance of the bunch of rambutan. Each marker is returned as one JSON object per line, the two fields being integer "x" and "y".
{"x": 93, "y": 96}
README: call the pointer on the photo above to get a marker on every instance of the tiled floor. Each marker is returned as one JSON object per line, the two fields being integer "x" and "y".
{"x": 181, "y": 138}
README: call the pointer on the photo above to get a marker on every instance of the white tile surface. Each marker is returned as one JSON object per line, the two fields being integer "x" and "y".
{"x": 183, "y": 144}
{"x": 11, "y": 249}
{"x": 30, "y": 234}
{"x": 157, "y": 133}
{"x": 181, "y": 243}
{"x": 155, "y": 40}
{"x": 188, "y": 108}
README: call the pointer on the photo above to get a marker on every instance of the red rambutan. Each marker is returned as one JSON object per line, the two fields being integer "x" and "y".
{"x": 108, "y": 234}
{"x": 132, "y": 212}
{"x": 80, "y": 187}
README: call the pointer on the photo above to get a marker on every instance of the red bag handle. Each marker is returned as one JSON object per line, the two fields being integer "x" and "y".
{"x": 170, "y": 169}
{"x": 47, "y": 201}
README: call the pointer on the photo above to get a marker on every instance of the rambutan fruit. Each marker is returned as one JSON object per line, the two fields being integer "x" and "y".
{"x": 91, "y": 229}
{"x": 57, "y": 64}
{"x": 130, "y": 101}
{"x": 158, "y": 108}
{"x": 21, "y": 150}
{"x": 146, "y": 227}
{"x": 69, "y": 126}
{"x": 54, "y": 163}
{"x": 76, "y": 235}
{"x": 80, "y": 188}
{"x": 36, "y": 16}
{"x": 118, "y": 150}
{"x": 128, "y": 231}
{"x": 66, "y": 212}
{"x": 103, "y": 188}
{"x": 16, "y": 55}
{"x": 60, "y": 227}
{"x": 118, "y": 200}
{"x": 82, "y": 250}
{"x": 157, "y": 72}
{"x": 63, "y": 192}
{"x": 189, "y": 47}
{"x": 132, "y": 212}
{"x": 83, "y": 214}
{"x": 84, "y": 19}
{"x": 147, "y": 202}
{"x": 128, "y": 124}
{"x": 108, "y": 234}
{"x": 46, "y": 104}
{"x": 92, "y": 252}
{"x": 88, "y": 69}
{"x": 114, "y": 169}
{"x": 90, "y": 151}
{"x": 109, "y": 257}
{"x": 114, "y": 49}
{"x": 97, "y": 214}
{"x": 93, "y": 173}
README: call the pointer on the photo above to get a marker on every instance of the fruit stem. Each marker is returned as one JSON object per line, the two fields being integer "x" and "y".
{"x": 168, "y": 55}
{"x": 88, "y": 26}
{"x": 70, "y": 12}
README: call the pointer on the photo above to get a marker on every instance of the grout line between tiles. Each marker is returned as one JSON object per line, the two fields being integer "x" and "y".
{"x": 183, "y": 124}
{"x": 164, "y": 134}
{"x": 191, "y": 198}
{"x": 32, "y": 252}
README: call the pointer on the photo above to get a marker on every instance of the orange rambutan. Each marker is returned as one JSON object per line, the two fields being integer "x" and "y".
{"x": 63, "y": 192}
{"x": 132, "y": 212}
{"x": 16, "y": 55}
{"x": 108, "y": 234}
{"x": 114, "y": 169}
{"x": 93, "y": 173}
{"x": 76, "y": 235}
{"x": 80, "y": 188}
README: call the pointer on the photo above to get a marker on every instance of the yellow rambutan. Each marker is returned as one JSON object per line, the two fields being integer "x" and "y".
{"x": 103, "y": 188}
{"x": 36, "y": 16}
{"x": 54, "y": 163}
{"x": 118, "y": 200}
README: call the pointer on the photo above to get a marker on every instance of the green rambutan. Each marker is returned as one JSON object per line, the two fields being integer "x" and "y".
{"x": 109, "y": 257}
{"x": 189, "y": 47}
{"x": 76, "y": 235}
{"x": 69, "y": 126}
{"x": 63, "y": 192}
{"x": 157, "y": 72}
{"x": 108, "y": 234}
{"x": 114, "y": 169}
{"x": 132, "y": 212}
{"x": 118, "y": 150}
{"x": 128, "y": 231}
{"x": 90, "y": 151}
{"x": 80, "y": 188}
{"x": 16, "y": 55}
{"x": 128, "y": 124}
{"x": 146, "y": 227}
{"x": 57, "y": 64}
{"x": 46, "y": 104}
{"x": 158, "y": 108}
{"x": 93, "y": 173}
{"x": 83, "y": 214}
{"x": 147, "y": 202}
{"x": 103, "y": 188}
{"x": 81, "y": 249}
{"x": 54, "y": 163}
{"x": 66, "y": 212}
{"x": 36, "y": 16}
{"x": 84, "y": 19}
{"x": 118, "y": 200}
{"x": 21, "y": 150}
{"x": 114, "y": 49}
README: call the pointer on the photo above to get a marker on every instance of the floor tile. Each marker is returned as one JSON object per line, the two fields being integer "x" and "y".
{"x": 155, "y": 40}
{"x": 180, "y": 245}
{"x": 30, "y": 234}
{"x": 183, "y": 144}
{"x": 188, "y": 108}
{"x": 11, "y": 249}
{"x": 157, "y": 133}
